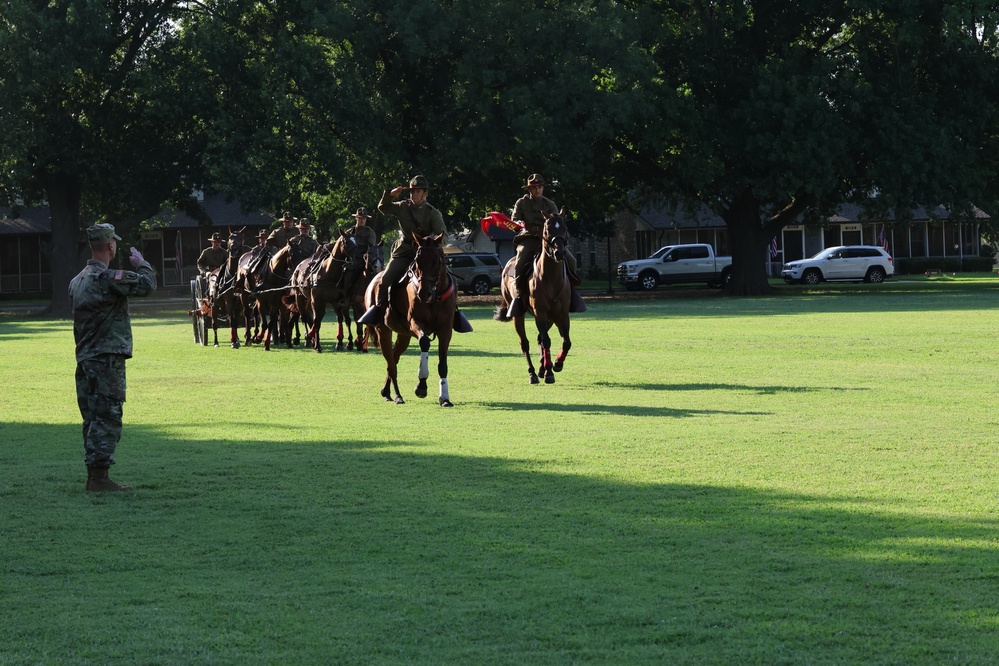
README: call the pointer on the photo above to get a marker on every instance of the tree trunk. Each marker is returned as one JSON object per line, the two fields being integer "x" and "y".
{"x": 64, "y": 208}
{"x": 750, "y": 242}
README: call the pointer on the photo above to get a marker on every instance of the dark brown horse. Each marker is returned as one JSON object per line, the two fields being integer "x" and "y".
{"x": 423, "y": 306}
{"x": 224, "y": 304}
{"x": 325, "y": 287}
{"x": 265, "y": 281}
{"x": 360, "y": 270}
{"x": 549, "y": 295}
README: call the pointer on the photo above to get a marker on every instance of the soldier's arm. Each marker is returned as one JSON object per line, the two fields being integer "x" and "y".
{"x": 387, "y": 205}
{"x": 140, "y": 282}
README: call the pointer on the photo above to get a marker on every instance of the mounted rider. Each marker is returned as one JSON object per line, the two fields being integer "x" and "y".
{"x": 416, "y": 217}
{"x": 212, "y": 257}
{"x": 280, "y": 236}
{"x": 530, "y": 211}
{"x": 303, "y": 245}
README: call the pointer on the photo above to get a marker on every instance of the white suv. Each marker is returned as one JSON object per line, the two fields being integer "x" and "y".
{"x": 850, "y": 262}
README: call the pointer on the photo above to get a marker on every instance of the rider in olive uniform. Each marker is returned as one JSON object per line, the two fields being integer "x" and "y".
{"x": 304, "y": 244}
{"x": 212, "y": 257}
{"x": 280, "y": 236}
{"x": 103, "y": 332}
{"x": 530, "y": 210}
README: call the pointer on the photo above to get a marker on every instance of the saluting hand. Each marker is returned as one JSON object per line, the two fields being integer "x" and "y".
{"x": 135, "y": 258}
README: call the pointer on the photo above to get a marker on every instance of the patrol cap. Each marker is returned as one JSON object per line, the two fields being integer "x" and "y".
{"x": 101, "y": 232}
{"x": 362, "y": 212}
{"x": 419, "y": 183}
{"x": 304, "y": 222}
{"x": 216, "y": 237}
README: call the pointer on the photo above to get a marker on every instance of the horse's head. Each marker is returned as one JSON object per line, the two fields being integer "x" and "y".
{"x": 553, "y": 237}
{"x": 373, "y": 261}
{"x": 429, "y": 271}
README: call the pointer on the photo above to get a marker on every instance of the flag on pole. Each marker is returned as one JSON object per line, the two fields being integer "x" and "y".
{"x": 884, "y": 237}
{"x": 178, "y": 254}
{"x": 774, "y": 250}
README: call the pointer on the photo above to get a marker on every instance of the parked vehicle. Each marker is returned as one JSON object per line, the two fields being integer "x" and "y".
{"x": 475, "y": 272}
{"x": 867, "y": 263}
{"x": 676, "y": 264}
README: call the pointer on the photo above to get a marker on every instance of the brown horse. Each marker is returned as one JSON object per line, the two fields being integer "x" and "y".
{"x": 549, "y": 296}
{"x": 325, "y": 287}
{"x": 266, "y": 281}
{"x": 360, "y": 271}
{"x": 224, "y": 304}
{"x": 422, "y": 306}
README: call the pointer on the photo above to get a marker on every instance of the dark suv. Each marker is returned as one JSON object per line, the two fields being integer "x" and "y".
{"x": 475, "y": 272}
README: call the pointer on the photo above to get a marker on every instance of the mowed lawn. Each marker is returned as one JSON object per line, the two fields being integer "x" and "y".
{"x": 804, "y": 478}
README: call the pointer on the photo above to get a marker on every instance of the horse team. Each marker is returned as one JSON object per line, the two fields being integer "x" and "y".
{"x": 271, "y": 294}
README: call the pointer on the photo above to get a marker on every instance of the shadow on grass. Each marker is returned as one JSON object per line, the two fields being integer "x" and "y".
{"x": 313, "y": 553}
{"x": 617, "y": 410}
{"x": 761, "y": 390}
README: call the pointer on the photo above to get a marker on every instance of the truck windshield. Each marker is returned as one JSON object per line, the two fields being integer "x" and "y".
{"x": 661, "y": 251}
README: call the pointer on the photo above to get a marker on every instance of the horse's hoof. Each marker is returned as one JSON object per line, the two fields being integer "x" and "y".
{"x": 399, "y": 400}
{"x": 319, "y": 350}
{"x": 446, "y": 403}
{"x": 235, "y": 345}
{"x": 216, "y": 344}
{"x": 557, "y": 367}
{"x": 549, "y": 379}
{"x": 421, "y": 392}
{"x": 534, "y": 379}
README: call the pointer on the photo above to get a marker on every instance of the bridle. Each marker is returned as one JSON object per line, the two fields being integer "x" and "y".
{"x": 437, "y": 273}
{"x": 553, "y": 238}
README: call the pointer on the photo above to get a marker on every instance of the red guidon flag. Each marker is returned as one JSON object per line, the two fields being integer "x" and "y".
{"x": 499, "y": 220}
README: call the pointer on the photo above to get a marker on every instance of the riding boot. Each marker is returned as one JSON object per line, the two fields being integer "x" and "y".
{"x": 576, "y": 302}
{"x": 98, "y": 481}
{"x": 461, "y": 324}
{"x": 516, "y": 308}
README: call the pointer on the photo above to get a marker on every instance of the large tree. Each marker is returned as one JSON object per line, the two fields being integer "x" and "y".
{"x": 773, "y": 110}
{"x": 99, "y": 116}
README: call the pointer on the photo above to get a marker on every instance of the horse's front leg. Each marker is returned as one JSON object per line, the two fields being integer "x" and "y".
{"x": 545, "y": 348}
{"x": 318, "y": 313}
{"x": 339, "y": 328}
{"x": 563, "y": 331}
{"x": 443, "y": 342}
{"x": 525, "y": 348}
{"x": 424, "y": 371}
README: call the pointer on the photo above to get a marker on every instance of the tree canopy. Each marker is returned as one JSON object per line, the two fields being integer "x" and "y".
{"x": 763, "y": 111}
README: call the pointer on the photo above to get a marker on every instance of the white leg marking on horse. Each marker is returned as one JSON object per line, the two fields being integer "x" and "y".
{"x": 424, "y": 365}
{"x": 444, "y": 393}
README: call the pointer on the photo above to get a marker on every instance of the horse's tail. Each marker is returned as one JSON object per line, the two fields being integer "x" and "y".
{"x": 500, "y": 314}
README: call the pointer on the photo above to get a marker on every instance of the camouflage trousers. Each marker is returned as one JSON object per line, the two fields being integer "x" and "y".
{"x": 100, "y": 392}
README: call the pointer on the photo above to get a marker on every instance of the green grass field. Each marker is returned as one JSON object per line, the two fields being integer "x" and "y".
{"x": 804, "y": 478}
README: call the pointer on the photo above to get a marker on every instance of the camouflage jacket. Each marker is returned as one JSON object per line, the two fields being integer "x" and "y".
{"x": 99, "y": 298}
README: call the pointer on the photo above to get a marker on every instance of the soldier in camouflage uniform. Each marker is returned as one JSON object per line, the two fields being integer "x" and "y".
{"x": 530, "y": 210}
{"x": 212, "y": 257}
{"x": 280, "y": 236}
{"x": 103, "y": 332}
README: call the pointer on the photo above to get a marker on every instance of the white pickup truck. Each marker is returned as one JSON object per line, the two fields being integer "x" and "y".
{"x": 676, "y": 264}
